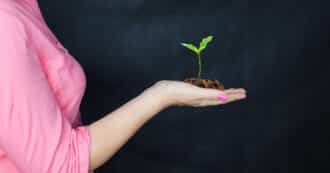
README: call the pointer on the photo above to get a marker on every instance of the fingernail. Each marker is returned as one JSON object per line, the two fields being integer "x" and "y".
{"x": 222, "y": 97}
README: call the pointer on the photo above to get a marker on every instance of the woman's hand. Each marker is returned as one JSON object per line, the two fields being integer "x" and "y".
{"x": 177, "y": 93}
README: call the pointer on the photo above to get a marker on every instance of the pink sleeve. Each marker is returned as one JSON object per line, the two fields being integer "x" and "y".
{"x": 33, "y": 133}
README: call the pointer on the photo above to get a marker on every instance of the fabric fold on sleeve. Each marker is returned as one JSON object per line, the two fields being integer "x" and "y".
{"x": 83, "y": 136}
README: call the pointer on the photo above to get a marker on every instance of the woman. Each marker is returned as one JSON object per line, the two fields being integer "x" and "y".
{"x": 40, "y": 93}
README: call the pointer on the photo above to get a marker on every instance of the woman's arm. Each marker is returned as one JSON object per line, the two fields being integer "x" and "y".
{"x": 111, "y": 132}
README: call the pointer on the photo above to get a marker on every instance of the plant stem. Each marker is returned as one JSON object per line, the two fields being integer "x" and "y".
{"x": 199, "y": 66}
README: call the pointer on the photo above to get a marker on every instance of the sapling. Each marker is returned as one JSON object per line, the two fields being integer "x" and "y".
{"x": 204, "y": 83}
{"x": 198, "y": 51}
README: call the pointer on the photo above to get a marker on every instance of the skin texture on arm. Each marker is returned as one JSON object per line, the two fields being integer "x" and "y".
{"x": 111, "y": 132}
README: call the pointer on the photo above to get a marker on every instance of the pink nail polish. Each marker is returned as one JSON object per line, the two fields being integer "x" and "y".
{"x": 222, "y": 97}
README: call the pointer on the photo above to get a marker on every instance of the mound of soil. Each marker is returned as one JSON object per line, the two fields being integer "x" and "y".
{"x": 205, "y": 83}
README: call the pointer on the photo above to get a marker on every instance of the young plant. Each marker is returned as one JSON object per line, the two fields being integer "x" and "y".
{"x": 198, "y": 51}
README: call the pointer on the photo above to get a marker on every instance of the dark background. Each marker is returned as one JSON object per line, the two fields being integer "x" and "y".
{"x": 277, "y": 49}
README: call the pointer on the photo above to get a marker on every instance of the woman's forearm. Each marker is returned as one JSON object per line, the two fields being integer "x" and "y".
{"x": 112, "y": 131}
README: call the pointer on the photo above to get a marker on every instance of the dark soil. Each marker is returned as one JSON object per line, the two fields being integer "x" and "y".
{"x": 205, "y": 83}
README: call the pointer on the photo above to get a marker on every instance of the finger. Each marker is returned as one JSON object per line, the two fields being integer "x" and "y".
{"x": 208, "y": 93}
{"x": 211, "y": 101}
{"x": 235, "y": 97}
{"x": 212, "y": 95}
{"x": 235, "y": 90}
{"x": 232, "y": 98}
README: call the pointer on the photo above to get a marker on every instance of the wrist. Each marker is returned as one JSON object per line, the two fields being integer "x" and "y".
{"x": 161, "y": 93}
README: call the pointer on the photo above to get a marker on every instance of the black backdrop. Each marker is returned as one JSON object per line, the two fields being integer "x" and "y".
{"x": 276, "y": 49}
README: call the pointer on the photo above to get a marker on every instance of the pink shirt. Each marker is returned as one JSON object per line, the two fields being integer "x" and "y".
{"x": 41, "y": 88}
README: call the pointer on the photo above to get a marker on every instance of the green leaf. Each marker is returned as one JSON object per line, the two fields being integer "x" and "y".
{"x": 191, "y": 47}
{"x": 204, "y": 42}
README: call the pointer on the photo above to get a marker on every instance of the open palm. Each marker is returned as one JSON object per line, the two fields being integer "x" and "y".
{"x": 184, "y": 94}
